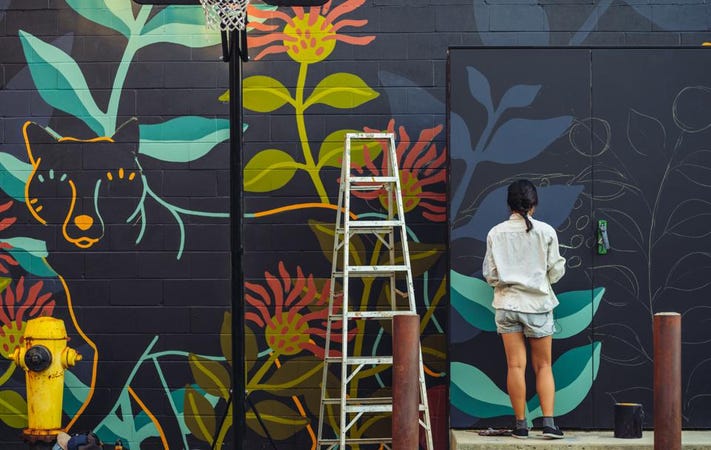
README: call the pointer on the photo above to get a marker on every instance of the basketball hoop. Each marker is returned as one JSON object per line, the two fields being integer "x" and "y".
{"x": 227, "y": 15}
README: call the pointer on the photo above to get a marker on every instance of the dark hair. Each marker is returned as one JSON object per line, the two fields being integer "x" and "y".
{"x": 522, "y": 197}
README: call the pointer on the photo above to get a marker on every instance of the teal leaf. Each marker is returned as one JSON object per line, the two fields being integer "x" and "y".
{"x": 183, "y": 139}
{"x": 473, "y": 392}
{"x": 576, "y": 311}
{"x": 574, "y": 372}
{"x": 13, "y": 175}
{"x": 472, "y": 298}
{"x": 179, "y": 24}
{"x": 31, "y": 254}
{"x": 60, "y": 82}
{"x": 114, "y": 14}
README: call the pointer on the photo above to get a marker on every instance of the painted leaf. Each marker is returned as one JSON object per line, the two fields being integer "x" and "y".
{"x": 520, "y": 140}
{"x": 519, "y": 96}
{"x": 299, "y": 373}
{"x": 114, "y": 14}
{"x": 179, "y": 24}
{"x": 576, "y": 311}
{"x": 268, "y": 171}
{"x": 556, "y": 202}
{"x": 473, "y": 393}
{"x": 696, "y": 167}
{"x": 13, "y": 175}
{"x": 31, "y": 254}
{"x": 226, "y": 336}
{"x": 4, "y": 283}
{"x": 480, "y": 89}
{"x": 422, "y": 256}
{"x": 13, "y": 409}
{"x": 183, "y": 139}
{"x": 199, "y": 415}
{"x": 409, "y": 102}
{"x": 645, "y": 134}
{"x": 61, "y": 83}
{"x": 690, "y": 109}
{"x": 689, "y": 219}
{"x": 264, "y": 94}
{"x": 341, "y": 90}
{"x": 472, "y": 298}
{"x": 691, "y": 272}
{"x": 210, "y": 375}
{"x": 281, "y": 420}
{"x": 325, "y": 232}
{"x": 331, "y": 152}
{"x": 574, "y": 372}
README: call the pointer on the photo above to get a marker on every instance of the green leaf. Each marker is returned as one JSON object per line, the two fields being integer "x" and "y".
{"x": 331, "y": 152}
{"x": 13, "y": 409}
{"x": 472, "y": 298}
{"x": 183, "y": 139}
{"x": 576, "y": 311}
{"x": 264, "y": 94}
{"x": 179, "y": 24}
{"x": 268, "y": 171}
{"x": 574, "y": 372}
{"x": 210, "y": 375}
{"x": 4, "y": 283}
{"x": 114, "y": 14}
{"x": 281, "y": 420}
{"x": 341, "y": 90}
{"x": 226, "y": 336}
{"x": 473, "y": 393}
{"x": 60, "y": 82}
{"x": 31, "y": 254}
{"x": 325, "y": 233}
{"x": 13, "y": 175}
{"x": 199, "y": 415}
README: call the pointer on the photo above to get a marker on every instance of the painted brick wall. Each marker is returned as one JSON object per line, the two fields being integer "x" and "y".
{"x": 154, "y": 309}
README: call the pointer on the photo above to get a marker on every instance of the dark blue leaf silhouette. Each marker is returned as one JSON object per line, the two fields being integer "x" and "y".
{"x": 520, "y": 140}
{"x": 555, "y": 203}
{"x": 480, "y": 89}
{"x": 519, "y": 96}
{"x": 405, "y": 102}
{"x": 524, "y": 15}
{"x": 460, "y": 144}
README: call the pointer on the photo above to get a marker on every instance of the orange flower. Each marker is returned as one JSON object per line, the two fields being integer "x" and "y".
{"x": 292, "y": 312}
{"x": 421, "y": 166}
{"x": 310, "y": 35}
{"x": 14, "y": 310}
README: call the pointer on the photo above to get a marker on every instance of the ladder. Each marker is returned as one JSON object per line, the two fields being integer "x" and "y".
{"x": 341, "y": 406}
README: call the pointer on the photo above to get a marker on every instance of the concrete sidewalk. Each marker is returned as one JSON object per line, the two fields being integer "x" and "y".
{"x": 574, "y": 440}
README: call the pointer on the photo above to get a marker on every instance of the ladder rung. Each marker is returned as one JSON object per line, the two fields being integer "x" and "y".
{"x": 374, "y": 180}
{"x": 382, "y": 440}
{"x": 364, "y": 315}
{"x": 368, "y": 136}
{"x": 353, "y": 360}
{"x": 364, "y": 271}
{"x": 375, "y": 223}
{"x": 369, "y": 408}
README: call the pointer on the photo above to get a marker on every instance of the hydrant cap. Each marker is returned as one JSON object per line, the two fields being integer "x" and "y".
{"x": 45, "y": 328}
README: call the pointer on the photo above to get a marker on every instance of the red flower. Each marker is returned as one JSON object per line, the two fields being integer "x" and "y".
{"x": 15, "y": 310}
{"x": 421, "y": 166}
{"x": 293, "y": 313}
{"x": 308, "y": 36}
{"x": 5, "y": 223}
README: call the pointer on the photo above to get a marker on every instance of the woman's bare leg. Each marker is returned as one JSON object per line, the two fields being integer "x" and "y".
{"x": 515, "y": 347}
{"x": 541, "y": 363}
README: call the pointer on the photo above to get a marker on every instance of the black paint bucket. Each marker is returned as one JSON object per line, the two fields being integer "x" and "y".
{"x": 628, "y": 420}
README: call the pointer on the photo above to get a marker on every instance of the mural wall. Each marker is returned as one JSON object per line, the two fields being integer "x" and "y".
{"x": 629, "y": 155}
{"x": 115, "y": 183}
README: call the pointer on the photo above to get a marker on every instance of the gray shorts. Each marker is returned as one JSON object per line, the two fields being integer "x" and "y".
{"x": 533, "y": 325}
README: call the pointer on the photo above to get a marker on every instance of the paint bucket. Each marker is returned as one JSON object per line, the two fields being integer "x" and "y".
{"x": 628, "y": 420}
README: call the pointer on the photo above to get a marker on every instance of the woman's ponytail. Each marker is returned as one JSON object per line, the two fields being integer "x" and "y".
{"x": 522, "y": 197}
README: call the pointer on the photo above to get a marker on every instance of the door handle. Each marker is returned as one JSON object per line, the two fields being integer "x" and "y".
{"x": 603, "y": 241}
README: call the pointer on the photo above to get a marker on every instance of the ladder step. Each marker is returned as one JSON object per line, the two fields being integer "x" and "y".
{"x": 375, "y": 223}
{"x": 372, "y": 183}
{"x": 368, "y": 136}
{"x": 354, "y": 441}
{"x": 376, "y": 270}
{"x": 370, "y": 408}
{"x": 354, "y": 360}
{"x": 365, "y": 315}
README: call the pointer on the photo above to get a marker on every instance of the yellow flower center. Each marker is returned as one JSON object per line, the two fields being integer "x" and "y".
{"x": 410, "y": 192}
{"x": 311, "y": 44}
{"x": 10, "y": 338}
{"x": 285, "y": 336}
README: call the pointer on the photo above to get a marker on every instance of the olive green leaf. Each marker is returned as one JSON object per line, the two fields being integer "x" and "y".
{"x": 301, "y": 373}
{"x": 281, "y": 421}
{"x": 264, "y": 94}
{"x": 199, "y": 415}
{"x": 422, "y": 256}
{"x": 341, "y": 90}
{"x": 210, "y": 375}
{"x": 13, "y": 409}
{"x": 4, "y": 283}
{"x": 325, "y": 232}
{"x": 331, "y": 152}
{"x": 268, "y": 171}
{"x": 226, "y": 336}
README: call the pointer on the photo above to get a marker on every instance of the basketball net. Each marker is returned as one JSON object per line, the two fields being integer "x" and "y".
{"x": 226, "y": 15}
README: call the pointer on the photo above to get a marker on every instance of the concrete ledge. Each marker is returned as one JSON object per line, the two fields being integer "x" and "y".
{"x": 577, "y": 440}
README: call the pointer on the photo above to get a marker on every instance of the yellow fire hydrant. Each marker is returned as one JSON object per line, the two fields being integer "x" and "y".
{"x": 44, "y": 357}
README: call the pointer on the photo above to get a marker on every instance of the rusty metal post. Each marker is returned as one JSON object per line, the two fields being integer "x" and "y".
{"x": 667, "y": 381}
{"x": 406, "y": 386}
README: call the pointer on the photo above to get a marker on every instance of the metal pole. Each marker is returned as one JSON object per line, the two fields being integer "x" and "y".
{"x": 236, "y": 250}
{"x": 667, "y": 381}
{"x": 406, "y": 387}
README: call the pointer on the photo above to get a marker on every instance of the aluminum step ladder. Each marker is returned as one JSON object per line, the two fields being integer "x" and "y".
{"x": 342, "y": 411}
